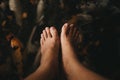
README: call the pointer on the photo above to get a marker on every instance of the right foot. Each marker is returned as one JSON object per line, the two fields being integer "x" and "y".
{"x": 69, "y": 36}
{"x": 73, "y": 68}
{"x": 69, "y": 40}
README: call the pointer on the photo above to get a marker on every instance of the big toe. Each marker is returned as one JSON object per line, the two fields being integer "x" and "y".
{"x": 64, "y": 29}
{"x": 53, "y": 32}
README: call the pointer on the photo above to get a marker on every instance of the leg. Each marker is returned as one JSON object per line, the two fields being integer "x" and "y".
{"x": 49, "y": 56}
{"x": 73, "y": 68}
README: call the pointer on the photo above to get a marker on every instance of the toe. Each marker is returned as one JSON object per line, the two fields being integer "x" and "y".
{"x": 74, "y": 32}
{"x": 45, "y": 34}
{"x": 77, "y": 35}
{"x": 47, "y": 29}
{"x": 42, "y": 36}
{"x": 71, "y": 30}
{"x": 80, "y": 38}
{"x": 53, "y": 32}
{"x": 65, "y": 28}
{"x": 42, "y": 40}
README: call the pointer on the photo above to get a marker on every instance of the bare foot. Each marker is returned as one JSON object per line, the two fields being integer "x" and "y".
{"x": 69, "y": 36}
{"x": 73, "y": 68}
{"x": 69, "y": 39}
{"x": 48, "y": 68}
{"x": 49, "y": 48}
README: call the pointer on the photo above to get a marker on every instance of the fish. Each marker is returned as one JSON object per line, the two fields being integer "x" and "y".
{"x": 16, "y": 8}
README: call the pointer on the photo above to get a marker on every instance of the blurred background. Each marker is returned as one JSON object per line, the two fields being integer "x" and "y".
{"x": 22, "y": 22}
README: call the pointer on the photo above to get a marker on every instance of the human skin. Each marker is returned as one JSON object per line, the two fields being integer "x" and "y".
{"x": 73, "y": 68}
{"x": 49, "y": 56}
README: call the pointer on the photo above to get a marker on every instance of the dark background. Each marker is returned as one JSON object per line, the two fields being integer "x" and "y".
{"x": 100, "y": 27}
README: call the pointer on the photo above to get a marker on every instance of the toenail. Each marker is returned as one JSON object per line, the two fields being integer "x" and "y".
{"x": 66, "y": 24}
{"x": 71, "y": 25}
{"x": 47, "y": 28}
{"x": 43, "y": 30}
{"x": 52, "y": 27}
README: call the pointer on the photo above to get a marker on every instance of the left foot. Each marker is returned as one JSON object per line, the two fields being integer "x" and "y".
{"x": 49, "y": 48}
